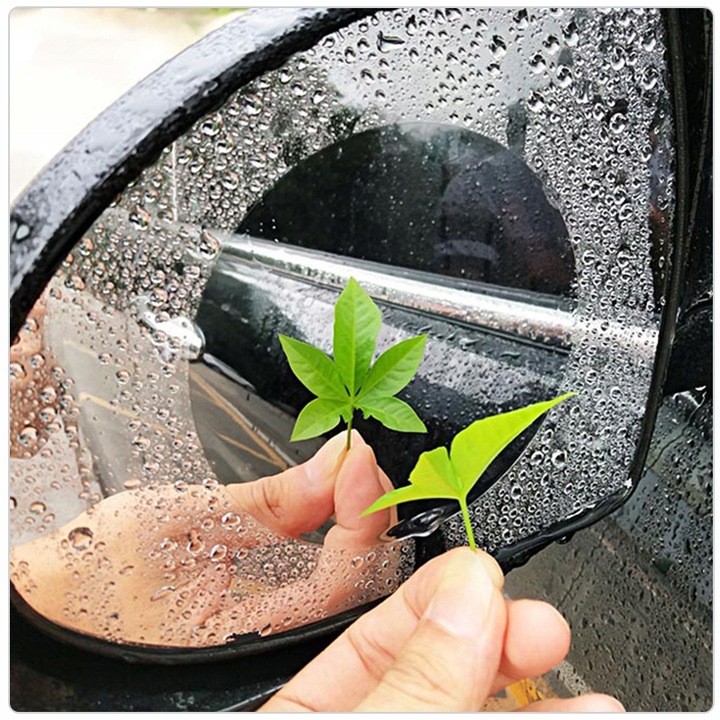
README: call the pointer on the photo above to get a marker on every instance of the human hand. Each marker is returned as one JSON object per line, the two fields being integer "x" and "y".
{"x": 444, "y": 642}
{"x": 187, "y": 565}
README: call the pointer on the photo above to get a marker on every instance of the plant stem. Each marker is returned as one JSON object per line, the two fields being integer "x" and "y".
{"x": 466, "y": 520}
{"x": 349, "y": 434}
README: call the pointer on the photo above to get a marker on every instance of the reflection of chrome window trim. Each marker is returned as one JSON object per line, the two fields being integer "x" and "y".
{"x": 520, "y": 314}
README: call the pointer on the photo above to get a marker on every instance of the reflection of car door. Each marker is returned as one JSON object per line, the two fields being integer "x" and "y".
{"x": 258, "y": 289}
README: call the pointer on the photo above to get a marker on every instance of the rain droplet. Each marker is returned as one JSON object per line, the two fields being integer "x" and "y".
{"x": 498, "y": 47}
{"x": 537, "y": 63}
{"x": 218, "y": 552}
{"x": 122, "y": 377}
{"x": 387, "y": 43}
{"x": 80, "y": 538}
{"x": 618, "y": 121}
{"x": 195, "y": 543}
{"x": 570, "y": 35}
{"x": 521, "y": 19}
{"x": 564, "y": 76}
{"x": 252, "y": 105}
{"x": 140, "y": 218}
{"x": 17, "y": 371}
{"x": 28, "y": 436}
{"x": 559, "y": 459}
{"x": 231, "y": 521}
{"x": 162, "y": 592}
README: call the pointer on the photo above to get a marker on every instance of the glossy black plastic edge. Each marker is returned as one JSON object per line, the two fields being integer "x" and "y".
{"x": 519, "y": 553}
{"x": 80, "y": 182}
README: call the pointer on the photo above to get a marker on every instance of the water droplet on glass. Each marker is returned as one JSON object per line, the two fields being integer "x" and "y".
{"x": 140, "y": 218}
{"x": 520, "y": 18}
{"x": 80, "y": 538}
{"x": 266, "y": 629}
{"x": 28, "y": 436}
{"x": 564, "y": 76}
{"x": 252, "y": 105}
{"x": 195, "y": 543}
{"x": 551, "y": 44}
{"x": 537, "y": 63}
{"x": 387, "y": 43}
{"x": 218, "y": 552}
{"x": 17, "y": 371}
{"x": 618, "y": 121}
{"x": 649, "y": 78}
{"x": 498, "y": 47}
{"x": 122, "y": 377}
{"x": 162, "y": 592}
{"x": 231, "y": 521}
{"x": 558, "y": 459}
{"x": 571, "y": 35}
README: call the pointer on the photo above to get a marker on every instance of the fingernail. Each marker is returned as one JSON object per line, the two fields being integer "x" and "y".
{"x": 463, "y": 601}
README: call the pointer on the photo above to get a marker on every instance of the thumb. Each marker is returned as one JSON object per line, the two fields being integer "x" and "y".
{"x": 449, "y": 662}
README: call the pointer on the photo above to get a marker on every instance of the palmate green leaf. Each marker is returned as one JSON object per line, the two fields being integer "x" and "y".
{"x": 355, "y": 331}
{"x": 395, "y": 368}
{"x": 346, "y": 382}
{"x": 319, "y": 416}
{"x": 432, "y": 477}
{"x": 474, "y": 448}
{"x": 315, "y": 370}
{"x": 393, "y": 413}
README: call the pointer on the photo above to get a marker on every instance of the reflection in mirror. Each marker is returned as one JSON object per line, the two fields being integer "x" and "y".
{"x": 187, "y": 565}
{"x": 473, "y": 210}
{"x": 148, "y": 389}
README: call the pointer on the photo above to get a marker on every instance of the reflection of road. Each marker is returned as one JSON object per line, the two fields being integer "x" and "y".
{"x": 138, "y": 413}
{"x": 243, "y": 436}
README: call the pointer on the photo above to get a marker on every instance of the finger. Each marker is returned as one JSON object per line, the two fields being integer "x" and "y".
{"x": 299, "y": 499}
{"x": 358, "y": 485}
{"x": 594, "y": 702}
{"x": 449, "y": 662}
{"x": 351, "y": 667}
{"x": 537, "y": 639}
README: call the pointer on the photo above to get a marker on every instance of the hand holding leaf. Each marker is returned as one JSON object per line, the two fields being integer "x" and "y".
{"x": 349, "y": 383}
{"x": 438, "y": 474}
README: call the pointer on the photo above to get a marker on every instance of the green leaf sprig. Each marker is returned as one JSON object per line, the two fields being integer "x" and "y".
{"x": 350, "y": 381}
{"x": 439, "y": 474}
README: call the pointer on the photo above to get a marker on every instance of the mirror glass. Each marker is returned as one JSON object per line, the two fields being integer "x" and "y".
{"x": 500, "y": 179}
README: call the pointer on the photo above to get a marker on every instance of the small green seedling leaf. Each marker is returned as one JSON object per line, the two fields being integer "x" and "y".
{"x": 355, "y": 332}
{"x": 350, "y": 381}
{"x": 439, "y": 474}
{"x": 393, "y": 413}
{"x": 313, "y": 368}
{"x": 317, "y": 417}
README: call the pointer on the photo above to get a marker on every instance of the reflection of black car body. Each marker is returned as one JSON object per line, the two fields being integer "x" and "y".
{"x": 623, "y": 582}
{"x": 473, "y": 210}
{"x": 246, "y": 305}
